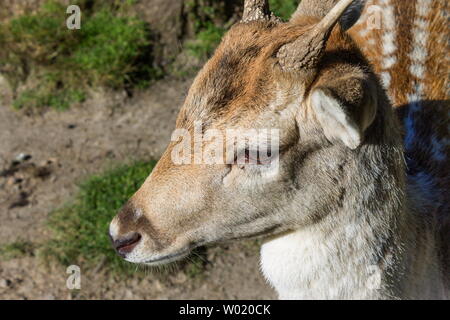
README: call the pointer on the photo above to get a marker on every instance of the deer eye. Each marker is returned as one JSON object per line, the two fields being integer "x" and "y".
{"x": 252, "y": 157}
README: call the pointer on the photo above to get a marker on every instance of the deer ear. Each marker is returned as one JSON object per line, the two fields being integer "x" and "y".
{"x": 343, "y": 119}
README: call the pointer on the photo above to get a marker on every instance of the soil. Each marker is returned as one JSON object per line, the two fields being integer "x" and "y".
{"x": 54, "y": 151}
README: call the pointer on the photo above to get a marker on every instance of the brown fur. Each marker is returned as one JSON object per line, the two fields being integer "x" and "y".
{"x": 323, "y": 187}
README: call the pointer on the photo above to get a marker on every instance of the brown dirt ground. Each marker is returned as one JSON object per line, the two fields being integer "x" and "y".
{"x": 67, "y": 146}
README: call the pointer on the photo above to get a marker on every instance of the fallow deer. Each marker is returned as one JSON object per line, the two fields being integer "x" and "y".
{"x": 345, "y": 216}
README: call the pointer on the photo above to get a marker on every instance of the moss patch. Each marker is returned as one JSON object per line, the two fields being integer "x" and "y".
{"x": 17, "y": 249}
{"x": 57, "y": 65}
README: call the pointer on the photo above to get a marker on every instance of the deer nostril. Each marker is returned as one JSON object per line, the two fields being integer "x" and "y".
{"x": 127, "y": 244}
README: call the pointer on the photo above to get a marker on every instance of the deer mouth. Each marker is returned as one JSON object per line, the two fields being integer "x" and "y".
{"x": 167, "y": 258}
{"x": 177, "y": 255}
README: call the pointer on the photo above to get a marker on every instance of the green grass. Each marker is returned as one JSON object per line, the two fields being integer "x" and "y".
{"x": 57, "y": 65}
{"x": 108, "y": 48}
{"x": 206, "y": 41}
{"x": 16, "y": 250}
{"x": 209, "y": 25}
{"x": 59, "y": 99}
{"x": 283, "y": 8}
{"x": 80, "y": 228}
{"x": 208, "y": 32}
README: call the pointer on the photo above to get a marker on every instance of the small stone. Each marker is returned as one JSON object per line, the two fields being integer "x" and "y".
{"x": 180, "y": 278}
{"x": 211, "y": 255}
{"x": 129, "y": 294}
{"x": 10, "y": 181}
{"x": 5, "y": 283}
{"x": 158, "y": 285}
{"x": 21, "y": 157}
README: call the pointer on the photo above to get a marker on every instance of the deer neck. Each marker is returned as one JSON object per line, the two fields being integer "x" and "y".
{"x": 340, "y": 260}
{"x": 369, "y": 246}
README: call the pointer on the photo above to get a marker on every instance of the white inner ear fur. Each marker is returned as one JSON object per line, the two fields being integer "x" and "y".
{"x": 336, "y": 123}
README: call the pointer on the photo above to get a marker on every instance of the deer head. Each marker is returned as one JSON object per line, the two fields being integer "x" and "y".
{"x": 304, "y": 78}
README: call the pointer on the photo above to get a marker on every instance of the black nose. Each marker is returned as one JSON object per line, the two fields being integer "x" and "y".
{"x": 126, "y": 244}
